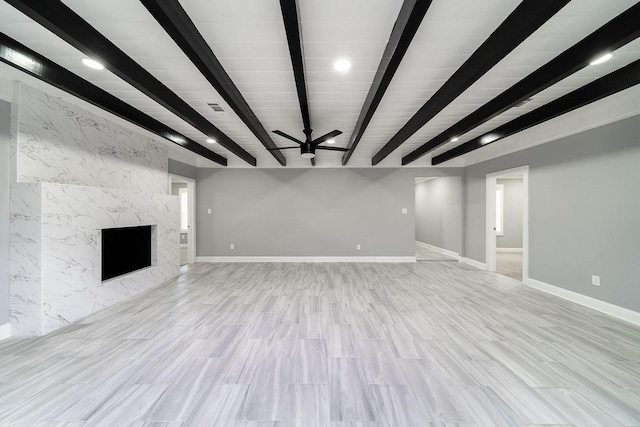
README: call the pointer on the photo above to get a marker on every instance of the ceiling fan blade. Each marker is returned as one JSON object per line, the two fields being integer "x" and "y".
{"x": 281, "y": 148}
{"x": 323, "y": 147}
{"x": 323, "y": 138}
{"x": 278, "y": 132}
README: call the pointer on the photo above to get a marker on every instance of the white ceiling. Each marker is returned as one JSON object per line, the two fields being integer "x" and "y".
{"x": 249, "y": 40}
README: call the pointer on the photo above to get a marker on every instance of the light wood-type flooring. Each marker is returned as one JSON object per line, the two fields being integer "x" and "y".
{"x": 428, "y": 254}
{"x": 329, "y": 344}
{"x": 509, "y": 264}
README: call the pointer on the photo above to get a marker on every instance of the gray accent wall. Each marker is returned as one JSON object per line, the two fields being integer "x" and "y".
{"x": 5, "y": 125}
{"x": 182, "y": 169}
{"x": 512, "y": 221}
{"x": 438, "y": 211}
{"x": 308, "y": 212}
{"x": 584, "y": 210}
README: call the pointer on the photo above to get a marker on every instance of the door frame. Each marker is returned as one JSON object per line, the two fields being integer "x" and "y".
{"x": 191, "y": 198}
{"x": 490, "y": 236}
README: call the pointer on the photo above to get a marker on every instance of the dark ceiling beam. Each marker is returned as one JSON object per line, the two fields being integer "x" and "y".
{"x": 36, "y": 65}
{"x": 611, "y": 36}
{"x": 405, "y": 28}
{"x": 177, "y": 23}
{"x": 66, "y": 24}
{"x": 289, "y": 10}
{"x": 610, "y": 84}
{"x": 527, "y": 17}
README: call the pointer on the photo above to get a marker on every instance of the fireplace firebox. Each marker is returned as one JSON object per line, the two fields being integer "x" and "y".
{"x": 125, "y": 250}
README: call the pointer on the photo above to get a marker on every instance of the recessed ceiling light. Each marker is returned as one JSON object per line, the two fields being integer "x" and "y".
{"x": 489, "y": 138}
{"x": 20, "y": 59}
{"x": 601, "y": 59}
{"x": 211, "y": 140}
{"x": 177, "y": 139}
{"x": 331, "y": 141}
{"x": 91, "y": 63}
{"x": 454, "y": 139}
{"x": 342, "y": 65}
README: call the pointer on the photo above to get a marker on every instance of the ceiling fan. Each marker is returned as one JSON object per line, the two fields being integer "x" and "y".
{"x": 308, "y": 147}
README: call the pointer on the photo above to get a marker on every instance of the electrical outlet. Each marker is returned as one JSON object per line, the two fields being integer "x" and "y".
{"x": 232, "y": 246}
{"x": 595, "y": 280}
{"x": 404, "y": 211}
{"x": 209, "y": 211}
{"x": 358, "y": 247}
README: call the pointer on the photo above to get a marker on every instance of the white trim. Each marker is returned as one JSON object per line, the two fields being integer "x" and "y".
{"x": 500, "y": 224}
{"x": 191, "y": 232}
{"x": 509, "y": 250}
{"x": 474, "y": 263}
{"x": 5, "y": 331}
{"x": 596, "y": 304}
{"x": 306, "y": 259}
{"x": 490, "y": 243}
{"x": 490, "y": 227}
{"x": 438, "y": 249}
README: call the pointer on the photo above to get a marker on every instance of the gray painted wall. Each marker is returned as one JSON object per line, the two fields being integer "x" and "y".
{"x": 439, "y": 213}
{"x": 584, "y": 210}
{"x": 5, "y": 124}
{"x": 307, "y": 212}
{"x": 512, "y": 221}
{"x": 182, "y": 169}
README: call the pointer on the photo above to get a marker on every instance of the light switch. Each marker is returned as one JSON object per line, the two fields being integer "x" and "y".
{"x": 404, "y": 210}
{"x": 209, "y": 211}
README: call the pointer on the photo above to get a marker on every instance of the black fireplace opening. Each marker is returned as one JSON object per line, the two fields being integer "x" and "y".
{"x": 125, "y": 250}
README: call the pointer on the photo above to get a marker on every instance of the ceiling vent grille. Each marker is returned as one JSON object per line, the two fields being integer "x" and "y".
{"x": 217, "y": 108}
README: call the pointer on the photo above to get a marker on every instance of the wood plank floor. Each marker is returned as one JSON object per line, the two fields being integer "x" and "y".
{"x": 340, "y": 345}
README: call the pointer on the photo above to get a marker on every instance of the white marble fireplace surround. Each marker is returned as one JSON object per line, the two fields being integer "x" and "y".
{"x": 73, "y": 174}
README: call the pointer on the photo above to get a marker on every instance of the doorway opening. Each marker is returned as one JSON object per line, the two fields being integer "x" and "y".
{"x": 438, "y": 218}
{"x": 508, "y": 223}
{"x": 185, "y": 189}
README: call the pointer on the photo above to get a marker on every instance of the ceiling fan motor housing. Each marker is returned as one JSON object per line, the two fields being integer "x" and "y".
{"x": 307, "y": 150}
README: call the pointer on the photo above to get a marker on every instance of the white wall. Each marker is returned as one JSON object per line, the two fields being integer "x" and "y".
{"x": 74, "y": 174}
{"x": 439, "y": 213}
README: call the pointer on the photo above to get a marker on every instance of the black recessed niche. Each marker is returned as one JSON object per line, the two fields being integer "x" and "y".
{"x": 125, "y": 250}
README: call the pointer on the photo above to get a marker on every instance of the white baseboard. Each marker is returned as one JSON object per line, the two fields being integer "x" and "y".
{"x": 5, "y": 331}
{"x": 601, "y": 306}
{"x": 306, "y": 259}
{"x": 509, "y": 250}
{"x": 474, "y": 263}
{"x": 437, "y": 249}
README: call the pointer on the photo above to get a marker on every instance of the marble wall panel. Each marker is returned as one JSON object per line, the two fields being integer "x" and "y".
{"x": 72, "y": 220}
{"x": 73, "y": 174}
{"x": 62, "y": 143}
{"x": 25, "y": 259}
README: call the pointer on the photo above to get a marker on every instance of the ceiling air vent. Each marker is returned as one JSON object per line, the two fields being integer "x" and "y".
{"x": 217, "y": 108}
